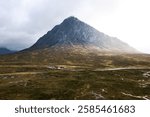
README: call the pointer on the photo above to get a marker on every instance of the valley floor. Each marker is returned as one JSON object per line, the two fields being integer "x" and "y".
{"x": 73, "y": 82}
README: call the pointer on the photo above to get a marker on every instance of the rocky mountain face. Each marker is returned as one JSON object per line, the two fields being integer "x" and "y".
{"x": 73, "y": 33}
{"x": 5, "y": 51}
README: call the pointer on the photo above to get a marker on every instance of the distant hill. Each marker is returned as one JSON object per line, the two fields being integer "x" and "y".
{"x": 6, "y": 51}
{"x": 74, "y": 33}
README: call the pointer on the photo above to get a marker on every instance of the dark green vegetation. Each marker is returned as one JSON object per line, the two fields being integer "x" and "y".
{"x": 74, "y": 76}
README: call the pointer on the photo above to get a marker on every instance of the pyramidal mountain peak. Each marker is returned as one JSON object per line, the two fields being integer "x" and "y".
{"x": 73, "y": 33}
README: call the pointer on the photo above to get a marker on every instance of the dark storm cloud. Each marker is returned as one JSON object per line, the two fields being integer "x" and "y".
{"x": 22, "y": 22}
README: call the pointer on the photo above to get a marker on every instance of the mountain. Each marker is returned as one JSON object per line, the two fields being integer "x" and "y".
{"x": 74, "y": 42}
{"x": 73, "y": 33}
{"x": 5, "y": 51}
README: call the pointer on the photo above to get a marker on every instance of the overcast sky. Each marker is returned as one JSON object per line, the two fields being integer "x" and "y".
{"x": 22, "y": 22}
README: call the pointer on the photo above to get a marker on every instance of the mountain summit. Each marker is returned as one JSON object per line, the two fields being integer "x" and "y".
{"x": 72, "y": 33}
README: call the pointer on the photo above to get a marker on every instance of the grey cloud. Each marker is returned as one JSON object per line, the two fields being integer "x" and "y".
{"x": 16, "y": 40}
{"x": 22, "y": 22}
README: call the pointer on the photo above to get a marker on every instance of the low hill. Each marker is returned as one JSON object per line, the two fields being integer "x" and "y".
{"x": 5, "y": 51}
